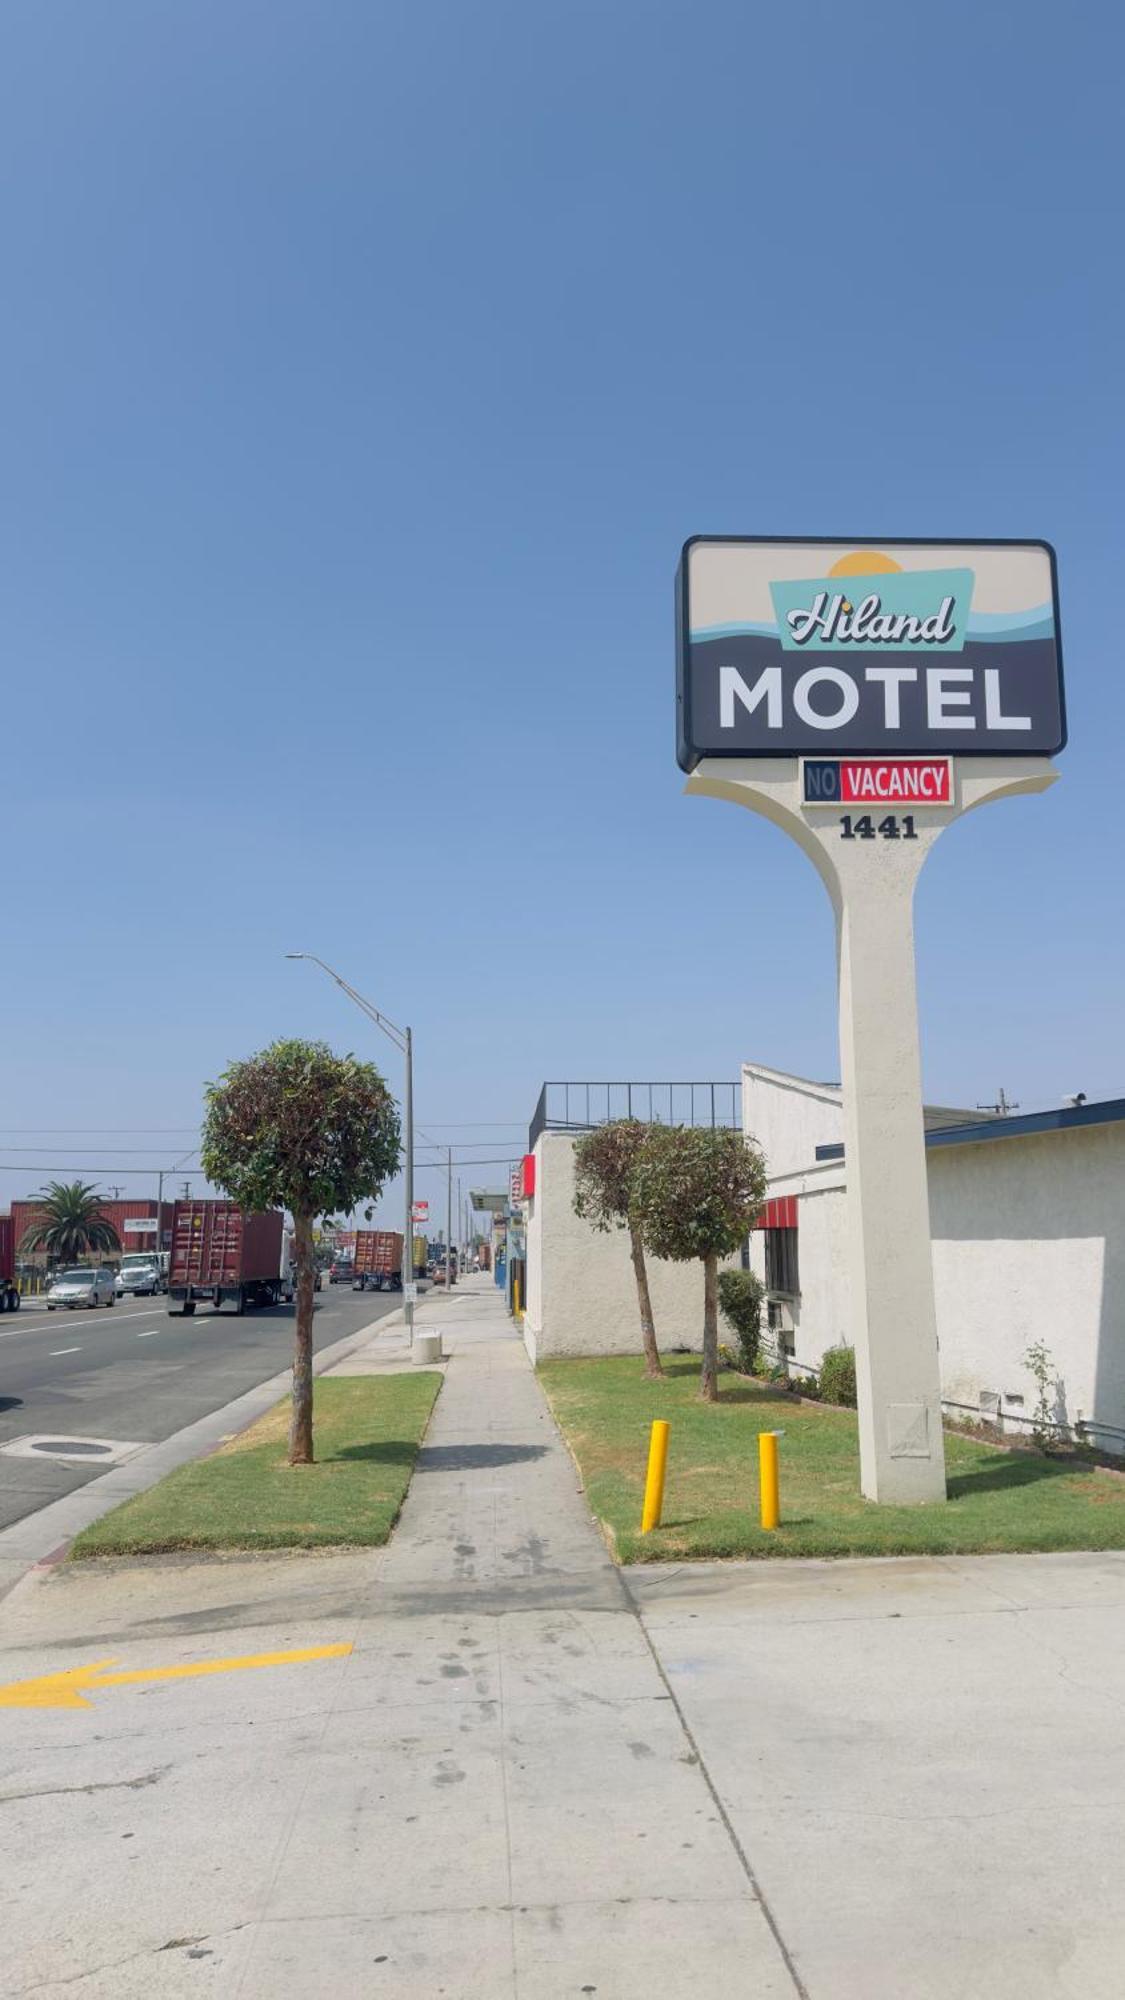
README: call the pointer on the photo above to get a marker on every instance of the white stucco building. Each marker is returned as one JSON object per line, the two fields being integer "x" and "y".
{"x": 581, "y": 1292}
{"x": 1027, "y": 1222}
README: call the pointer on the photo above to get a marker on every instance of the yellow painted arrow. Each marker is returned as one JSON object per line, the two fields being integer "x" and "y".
{"x": 66, "y": 1689}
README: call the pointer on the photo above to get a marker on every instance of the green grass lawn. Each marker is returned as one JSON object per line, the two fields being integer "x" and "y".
{"x": 997, "y": 1499}
{"x": 367, "y": 1432}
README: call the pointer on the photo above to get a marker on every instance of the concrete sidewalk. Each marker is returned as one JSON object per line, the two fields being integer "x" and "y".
{"x": 493, "y": 1795}
{"x": 533, "y": 1777}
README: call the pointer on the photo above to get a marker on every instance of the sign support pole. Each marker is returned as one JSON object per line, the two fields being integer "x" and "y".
{"x": 871, "y": 884}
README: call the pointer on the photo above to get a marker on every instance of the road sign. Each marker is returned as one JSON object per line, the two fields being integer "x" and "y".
{"x": 832, "y": 648}
{"x": 410, "y": 1294}
{"x": 421, "y": 1211}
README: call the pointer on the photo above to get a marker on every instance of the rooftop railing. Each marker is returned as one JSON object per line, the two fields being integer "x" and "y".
{"x": 579, "y": 1106}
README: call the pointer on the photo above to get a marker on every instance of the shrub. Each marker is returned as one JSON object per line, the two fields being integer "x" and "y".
{"x": 837, "y": 1376}
{"x": 740, "y": 1297}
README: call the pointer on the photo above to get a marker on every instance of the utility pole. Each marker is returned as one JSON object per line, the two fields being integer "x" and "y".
{"x": 403, "y": 1040}
{"x": 448, "y": 1220}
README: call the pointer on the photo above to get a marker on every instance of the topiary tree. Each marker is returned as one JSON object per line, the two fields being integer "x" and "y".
{"x": 696, "y": 1192}
{"x": 300, "y": 1128}
{"x": 740, "y": 1296}
{"x": 603, "y": 1178}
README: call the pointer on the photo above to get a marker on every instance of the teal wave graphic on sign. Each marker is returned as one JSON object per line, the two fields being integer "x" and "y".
{"x": 899, "y": 611}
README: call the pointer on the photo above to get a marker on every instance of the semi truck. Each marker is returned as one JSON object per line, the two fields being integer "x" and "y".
{"x": 224, "y": 1257}
{"x": 9, "y": 1290}
{"x": 378, "y": 1261}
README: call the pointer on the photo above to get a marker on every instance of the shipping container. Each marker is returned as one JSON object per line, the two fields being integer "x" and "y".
{"x": 9, "y": 1292}
{"x": 378, "y": 1260}
{"x": 223, "y": 1256}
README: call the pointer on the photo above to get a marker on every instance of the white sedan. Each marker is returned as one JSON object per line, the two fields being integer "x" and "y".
{"x": 81, "y": 1287}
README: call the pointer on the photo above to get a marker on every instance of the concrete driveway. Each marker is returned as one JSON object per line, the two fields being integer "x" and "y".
{"x": 923, "y": 1761}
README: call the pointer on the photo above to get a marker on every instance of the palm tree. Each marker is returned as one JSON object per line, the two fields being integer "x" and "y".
{"x": 70, "y": 1223}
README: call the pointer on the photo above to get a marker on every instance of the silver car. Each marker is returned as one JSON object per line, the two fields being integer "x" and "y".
{"x": 81, "y": 1287}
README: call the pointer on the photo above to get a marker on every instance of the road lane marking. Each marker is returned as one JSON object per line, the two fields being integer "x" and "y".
{"x": 55, "y": 1351}
{"x": 150, "y": 1335}
{"x": 66, "y": 1689}
{"x": 42, "y": 1322}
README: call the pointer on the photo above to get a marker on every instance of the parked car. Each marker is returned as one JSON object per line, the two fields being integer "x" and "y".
{"x": 340, "y": 1273}
{"x": 81, "y": 1287}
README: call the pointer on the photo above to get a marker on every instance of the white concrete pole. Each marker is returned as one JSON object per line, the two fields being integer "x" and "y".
{"x": 871, "y": 883}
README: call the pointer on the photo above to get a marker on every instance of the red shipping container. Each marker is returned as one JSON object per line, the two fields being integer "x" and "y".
{"x": 7, "y": 1248}
{"x": 214, "y": 1243}
{"x": 378, "y": 1253}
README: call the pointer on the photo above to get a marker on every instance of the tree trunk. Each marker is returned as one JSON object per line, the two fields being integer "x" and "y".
{"x": 709, "y": 1379}
{"x": 301, "y": 1423}
{"x": 653, "y": 1367}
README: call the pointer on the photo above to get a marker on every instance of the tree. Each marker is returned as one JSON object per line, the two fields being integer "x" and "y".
{"x": 300, "y": 1128}
{"x": 603, "y": 1178}
{"x": 696, "y": 1192}
{"x": 70, "y": 1223}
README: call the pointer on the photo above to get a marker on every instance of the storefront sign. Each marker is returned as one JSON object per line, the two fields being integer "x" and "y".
{"x": 835, "y": 648}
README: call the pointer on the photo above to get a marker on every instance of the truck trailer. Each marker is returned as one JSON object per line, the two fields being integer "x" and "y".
{"x": 9, "y": 1290}
{"x": 223, "y": 1257}
{"x": 378, "y": 1261}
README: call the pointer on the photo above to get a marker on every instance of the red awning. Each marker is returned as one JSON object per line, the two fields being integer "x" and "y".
{"x": 780, "y": 1212}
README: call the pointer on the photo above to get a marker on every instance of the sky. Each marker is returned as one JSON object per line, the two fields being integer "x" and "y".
{"x": 364, "y": 369}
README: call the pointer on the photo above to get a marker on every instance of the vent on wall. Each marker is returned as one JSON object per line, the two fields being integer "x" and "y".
{"x": 990, "y": 1405}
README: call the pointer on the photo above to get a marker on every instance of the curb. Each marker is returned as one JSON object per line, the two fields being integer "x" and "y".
{"x": 40, "y": 1539}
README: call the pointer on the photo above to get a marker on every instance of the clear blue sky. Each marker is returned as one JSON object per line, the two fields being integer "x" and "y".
{"x": 364, "y": 367}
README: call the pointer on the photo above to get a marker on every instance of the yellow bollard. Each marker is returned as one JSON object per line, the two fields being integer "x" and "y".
{"x": 516, "y": 1297}
{"x": 768, "y": 1478}
{"x": 654, "y": 1478}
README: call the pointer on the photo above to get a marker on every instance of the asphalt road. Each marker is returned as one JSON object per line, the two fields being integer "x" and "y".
{"x": 136, "y": 1373}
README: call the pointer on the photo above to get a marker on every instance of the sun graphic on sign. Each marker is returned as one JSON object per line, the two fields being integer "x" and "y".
{"x": 863, "y": 562}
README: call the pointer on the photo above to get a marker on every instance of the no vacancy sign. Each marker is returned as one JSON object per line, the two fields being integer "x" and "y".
{"x": 826, "y": 649}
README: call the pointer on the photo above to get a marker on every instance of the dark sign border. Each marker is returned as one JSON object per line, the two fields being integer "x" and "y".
{"x": 687, "y": 757}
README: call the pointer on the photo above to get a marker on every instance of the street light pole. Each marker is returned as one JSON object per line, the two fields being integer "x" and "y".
{"x": 403, "y": 1040}
{"x": 408, "y": 1178}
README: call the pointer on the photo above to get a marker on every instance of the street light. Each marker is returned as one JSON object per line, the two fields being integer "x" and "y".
{"x": 403, "y": 1041}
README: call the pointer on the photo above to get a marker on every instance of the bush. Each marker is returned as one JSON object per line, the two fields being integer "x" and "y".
{"x": 837, "y": 1376}
{"x": 740, "y": 1298}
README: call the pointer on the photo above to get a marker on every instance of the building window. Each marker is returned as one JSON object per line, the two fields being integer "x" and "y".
{"x": 781, "y": 1262}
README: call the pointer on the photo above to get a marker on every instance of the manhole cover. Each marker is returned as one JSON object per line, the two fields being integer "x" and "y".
{"x": 73, "y": 1447}
{"x": 41, "y": 1444}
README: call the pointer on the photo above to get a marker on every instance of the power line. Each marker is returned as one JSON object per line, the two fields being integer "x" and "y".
{"x": 144, "y": 1151}
{"x": 68, "y": 1166}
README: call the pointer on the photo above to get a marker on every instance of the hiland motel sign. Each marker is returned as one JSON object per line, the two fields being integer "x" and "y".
{"x": 863, "y": 696}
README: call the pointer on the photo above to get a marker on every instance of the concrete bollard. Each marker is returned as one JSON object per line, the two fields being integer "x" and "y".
{"x": 427, "y": 1348}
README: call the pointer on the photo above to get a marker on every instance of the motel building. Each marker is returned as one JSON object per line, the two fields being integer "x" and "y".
{"x": 1027, "y": 1222}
